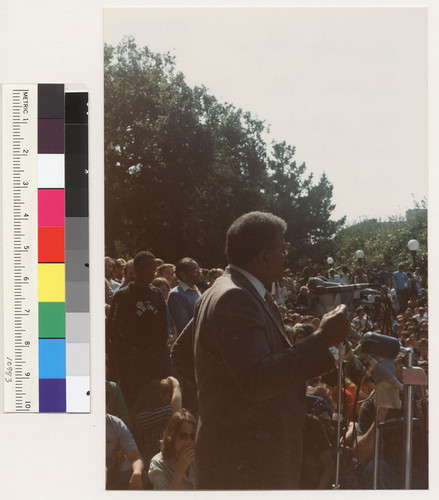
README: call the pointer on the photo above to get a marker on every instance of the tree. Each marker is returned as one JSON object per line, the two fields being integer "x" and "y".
{"x": 385, "y": 241}
{"x": 305, "y": 206}
{"x": 181, "y": 166}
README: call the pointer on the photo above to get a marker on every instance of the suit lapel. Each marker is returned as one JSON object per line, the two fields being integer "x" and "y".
{"x": 236, "y": 276}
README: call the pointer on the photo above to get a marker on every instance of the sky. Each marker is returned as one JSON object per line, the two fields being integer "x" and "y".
{"x": 346, "y": 86}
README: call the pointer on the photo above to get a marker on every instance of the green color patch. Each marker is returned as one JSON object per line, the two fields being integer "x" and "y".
{"x": 52, "y": 320}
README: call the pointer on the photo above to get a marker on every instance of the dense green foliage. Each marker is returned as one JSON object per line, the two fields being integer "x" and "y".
{"x": 384, "y": 241}
{"x": 181, "y": 166}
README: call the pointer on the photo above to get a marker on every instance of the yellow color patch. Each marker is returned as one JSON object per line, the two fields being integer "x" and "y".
{"x": 51, "y": 283}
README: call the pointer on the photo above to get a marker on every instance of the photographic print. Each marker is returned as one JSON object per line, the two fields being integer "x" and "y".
{"x": 266, "y": 265}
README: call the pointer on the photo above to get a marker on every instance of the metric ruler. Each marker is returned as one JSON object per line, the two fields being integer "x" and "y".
{"x": 45, "y": 248}
{"x": 20, "y": 246}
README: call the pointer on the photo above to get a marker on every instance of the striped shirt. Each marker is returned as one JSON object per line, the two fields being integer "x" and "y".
{"x": 149, "y": 427}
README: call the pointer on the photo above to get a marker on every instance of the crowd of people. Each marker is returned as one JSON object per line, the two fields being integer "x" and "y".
{"x": 152, "y": 409}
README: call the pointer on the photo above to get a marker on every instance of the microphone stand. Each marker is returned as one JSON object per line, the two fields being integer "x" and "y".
{"x": 376, "y": 449}
{"x": 341, "y": 354}
{"x": 408, "y": 425}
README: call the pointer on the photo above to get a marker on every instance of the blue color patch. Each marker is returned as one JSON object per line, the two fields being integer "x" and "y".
{"x": 52, "y": 358}
{"x": 52, "y": 397}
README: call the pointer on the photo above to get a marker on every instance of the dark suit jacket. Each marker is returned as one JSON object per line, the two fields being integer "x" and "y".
{"x": 251, "y": 390}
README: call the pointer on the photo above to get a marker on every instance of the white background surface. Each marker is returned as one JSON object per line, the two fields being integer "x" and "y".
{"x": 62, "y": 456}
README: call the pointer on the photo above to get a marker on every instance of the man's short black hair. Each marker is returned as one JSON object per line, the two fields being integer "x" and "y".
{"x": 141, "y": 258}
{"x": 183, "y": 266}
{"x": 251, "y": 233}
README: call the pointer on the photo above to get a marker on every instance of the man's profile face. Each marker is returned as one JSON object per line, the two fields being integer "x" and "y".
{"x": 146, "y": 270}
{"x": 192, "y": 274}
{"x": 276, "y": 259}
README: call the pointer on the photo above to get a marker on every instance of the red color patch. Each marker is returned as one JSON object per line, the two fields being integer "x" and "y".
{"x": 51, "y": 244}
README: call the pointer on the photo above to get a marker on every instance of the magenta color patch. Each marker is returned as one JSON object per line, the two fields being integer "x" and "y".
{"x": 51, "y": 207}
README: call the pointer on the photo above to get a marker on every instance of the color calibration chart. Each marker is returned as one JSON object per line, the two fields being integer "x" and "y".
{"x": 46, "y": 321}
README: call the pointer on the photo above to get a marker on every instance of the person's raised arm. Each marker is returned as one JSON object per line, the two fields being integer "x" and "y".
{"x": 137, "y": 466}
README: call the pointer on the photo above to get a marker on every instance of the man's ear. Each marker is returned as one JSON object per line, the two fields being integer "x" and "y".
{"x": 262, "y": 258}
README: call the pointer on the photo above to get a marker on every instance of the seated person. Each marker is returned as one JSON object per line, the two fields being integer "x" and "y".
{"x": 124, "y": 464}
{"x": 151, "y": 413}
{"x": 172, "y": 468}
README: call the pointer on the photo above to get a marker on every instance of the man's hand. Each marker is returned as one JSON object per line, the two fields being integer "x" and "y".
{"x": 334, "y": 326}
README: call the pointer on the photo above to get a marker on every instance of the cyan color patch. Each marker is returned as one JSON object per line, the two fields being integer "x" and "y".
{"x": 52, "y": 358}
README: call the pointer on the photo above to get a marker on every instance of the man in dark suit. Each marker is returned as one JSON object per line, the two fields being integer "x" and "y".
{"x": 250, "y": 380}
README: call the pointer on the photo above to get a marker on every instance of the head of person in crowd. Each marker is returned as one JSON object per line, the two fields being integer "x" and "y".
{"x": 159, "y": 262}
{"x": 163, "y": 285}
{"x": 424, "y": 327}
{"x": 255, "y": 242}
{"x": 119, "y": 267}
{"x": 421, "y": 312}
{"x": 298, "y": 333}
{"x": 297, "y": 318}
{"x": 303, "y": 290}
{"x": 332, "y": 272}
{"x": 359, "y": 271}
{"x": 307, "y": 320}
{"x": 129, "y": 272}
{"x": 166, "y": 271}
{"x": 321, "y": 390}
{"x": 109, "y": 267}
{"x": 144, "y": 267}
{"x": 188, "y": 271}
{"x": 179, "y": 434}
{"x": 315, "y": 323}
{"x": 214, "y": 274}
{"x": 401, "y": 267}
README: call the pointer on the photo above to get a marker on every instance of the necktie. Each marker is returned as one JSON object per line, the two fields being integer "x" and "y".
{"x": 270, "y": 302}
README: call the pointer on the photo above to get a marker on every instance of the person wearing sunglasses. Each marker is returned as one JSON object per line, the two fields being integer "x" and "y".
{"x": 172, "y": 468}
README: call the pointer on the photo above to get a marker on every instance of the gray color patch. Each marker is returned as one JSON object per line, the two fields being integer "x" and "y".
{"x": 78, "y": 327}
{"x": 77, "y": 296}
{"x": 77, "y": 359}
{"x": 76, "y": 233}
{"x": 77, "y": 265}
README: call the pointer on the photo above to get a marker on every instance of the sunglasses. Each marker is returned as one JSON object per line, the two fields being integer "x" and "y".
{"x": 184, "y": 435}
